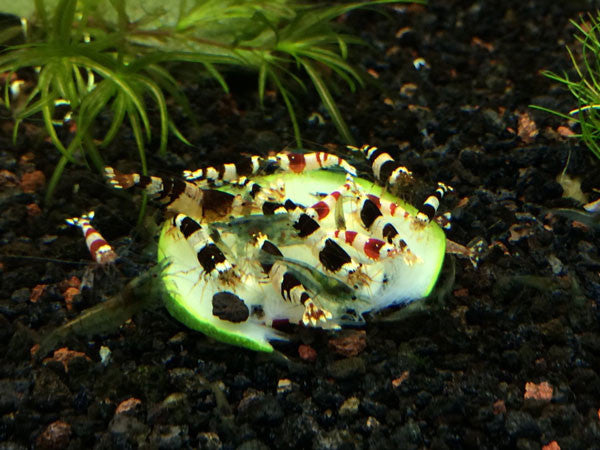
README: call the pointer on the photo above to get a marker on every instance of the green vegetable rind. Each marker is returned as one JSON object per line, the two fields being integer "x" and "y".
{"x": 179, "y": 307}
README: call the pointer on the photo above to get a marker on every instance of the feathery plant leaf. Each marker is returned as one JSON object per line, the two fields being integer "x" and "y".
{"x": 328, "y": 101}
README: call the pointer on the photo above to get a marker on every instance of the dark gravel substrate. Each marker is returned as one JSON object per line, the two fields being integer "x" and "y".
{"x": 452, "y": 375}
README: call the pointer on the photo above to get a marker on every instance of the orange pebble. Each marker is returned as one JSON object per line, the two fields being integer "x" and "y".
{"x": 65, "y": 355}
{"x": 128, "y": 405}
{"x": 542, "y": 391}
{"x": 401, "y": 379}
{"x": 69, "y": 294}
{"x": 33, "y": 181}
{"x": 37, "y": 292}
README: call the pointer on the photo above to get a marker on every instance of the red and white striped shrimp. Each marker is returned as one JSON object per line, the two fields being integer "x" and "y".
{"x": 323, "y": 207}
{"x": 300, "y": 162}
{"x": 388, "y": 208}
{"x": 376, "y": 223}
{"x": 372, "y": 248}
{"x": 99, "y": 248}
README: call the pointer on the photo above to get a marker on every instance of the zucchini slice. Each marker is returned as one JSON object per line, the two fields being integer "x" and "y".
{"x": 191, "y": 293}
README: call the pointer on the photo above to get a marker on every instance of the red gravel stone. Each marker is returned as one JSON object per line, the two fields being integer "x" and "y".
{"x": 33, "y": 181}
{"x": 307, "y": 353}
{"x": 351, "y": 344}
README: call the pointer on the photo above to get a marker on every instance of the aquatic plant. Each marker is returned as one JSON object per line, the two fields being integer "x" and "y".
{"x": 107, "y": 56}
{"x": 585, "y": 86}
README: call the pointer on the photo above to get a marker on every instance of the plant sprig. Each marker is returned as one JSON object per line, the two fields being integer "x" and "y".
{"x": 585, "y": 87}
